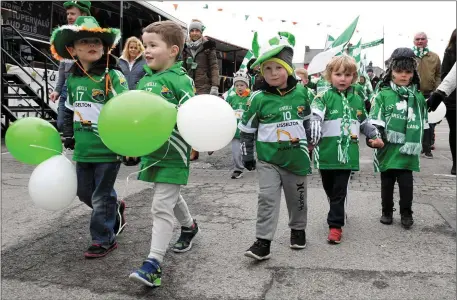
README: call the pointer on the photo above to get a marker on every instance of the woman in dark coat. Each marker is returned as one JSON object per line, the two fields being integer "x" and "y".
{"x": 132, "y": 61}
{"x": 200, "y": 61}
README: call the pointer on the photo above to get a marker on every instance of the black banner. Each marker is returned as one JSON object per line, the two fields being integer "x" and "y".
{"x": 32, "y": 18}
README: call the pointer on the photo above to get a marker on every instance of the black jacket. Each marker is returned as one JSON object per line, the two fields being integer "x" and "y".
{"x": 448, "y": 61}
{"x": 137, "y": 72}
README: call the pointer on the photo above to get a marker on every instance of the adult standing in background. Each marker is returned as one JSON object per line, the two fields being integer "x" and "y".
{"x": 373, "y": 78}
{"x": 200, "y": 61}
{"x": 446, "y": 93}
{"x": 428, "y": 67}
{"x": 132, "y": 61}
{"x": 74, "y": 9}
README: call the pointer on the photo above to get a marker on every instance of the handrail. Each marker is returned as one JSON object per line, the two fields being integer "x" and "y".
{"x": 36, "y": 49}
{"x": 22, "y": 98}
{"x": 30, "y": 75}
{"x": 28, "y": 65}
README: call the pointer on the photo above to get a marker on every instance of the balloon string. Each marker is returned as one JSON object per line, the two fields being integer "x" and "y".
{"x": 127, "y": 179}
{"x": 63, "y": 153}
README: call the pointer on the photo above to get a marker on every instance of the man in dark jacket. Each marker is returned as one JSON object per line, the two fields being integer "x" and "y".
{"x": 200, "y": 61}
{"x": 373, "y": 78}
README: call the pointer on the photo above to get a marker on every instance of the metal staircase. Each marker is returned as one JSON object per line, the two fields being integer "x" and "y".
{"x": 18, "y": 97}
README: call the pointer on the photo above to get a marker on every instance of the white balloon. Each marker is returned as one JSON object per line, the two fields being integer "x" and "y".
{"x": 206, "y": 122}
{"x": 53, "y": 183}
{"x": 438, "y": 114}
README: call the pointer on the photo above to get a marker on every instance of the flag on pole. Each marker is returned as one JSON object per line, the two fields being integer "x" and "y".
{"x": 356, "y": 53}
{"x": 346, "y": 36}
{"x": 373, "y": 43}
{"x": 246, "y": 59}
{"x": 329, "y": 41}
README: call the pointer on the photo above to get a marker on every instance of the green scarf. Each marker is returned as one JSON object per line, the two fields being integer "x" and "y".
{"x": 406, "y": 123}
{"x": 345, "y": 137}
{"x": 420, "y": 52}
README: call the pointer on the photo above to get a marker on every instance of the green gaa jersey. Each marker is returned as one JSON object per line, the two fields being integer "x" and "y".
{"x": 382, "y": 110}
{"x": 175, "y": 86}
{"x": 278, "y": 121}
{"x": 86, "y": 98}
{"x": 328, "y": 105}
{"x": 239, "y": 105}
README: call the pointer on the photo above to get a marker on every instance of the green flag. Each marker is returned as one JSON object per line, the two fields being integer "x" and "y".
{"x": 329, "y": 41}
{"x": 373, "y": 43}
{"x": 246, "y": 60}
{"x": 346, "y": 36}
{"x": 356, "y": 53}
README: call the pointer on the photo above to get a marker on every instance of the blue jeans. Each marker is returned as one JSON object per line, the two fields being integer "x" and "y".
{"x": 61, "y": 107}
{"x": 96, "y": 189}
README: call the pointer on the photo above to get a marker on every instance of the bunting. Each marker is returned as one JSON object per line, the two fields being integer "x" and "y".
{"x": 175, "y": 6}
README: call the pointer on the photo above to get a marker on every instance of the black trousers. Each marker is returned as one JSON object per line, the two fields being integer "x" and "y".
{"x": 450, "y": 116}
{"x": 405, "y": 185}
{"x": 335, "y": 184}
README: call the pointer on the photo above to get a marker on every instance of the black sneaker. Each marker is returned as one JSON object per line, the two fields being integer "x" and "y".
{"x": 120, "y": 223}
{"x": 97, "y": 250}
{"x": 260, "y": 250}
{"x": 184, "y": 242}
{"x": 387, "y": 217}
{"x": 428, "y": 154}
{"x": 237, "y": 174}
{"x": 297, "y": 239}
{"x": 407, "y": 219}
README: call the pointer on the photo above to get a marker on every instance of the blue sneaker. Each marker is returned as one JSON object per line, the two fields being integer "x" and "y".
{"x": 149, "y": 274}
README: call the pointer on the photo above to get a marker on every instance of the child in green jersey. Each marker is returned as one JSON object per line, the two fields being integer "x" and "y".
{"x": 338, "y": 116}
{"x": 276, "y": 115}
{"x": 167, "y": 167}
{"x": 399, "y": 111}
{"x": 93, "y": 81}
{"x": 238, "y": 101}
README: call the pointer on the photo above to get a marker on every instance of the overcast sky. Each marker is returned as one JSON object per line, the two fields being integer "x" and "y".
{"x": 401, "y": 20}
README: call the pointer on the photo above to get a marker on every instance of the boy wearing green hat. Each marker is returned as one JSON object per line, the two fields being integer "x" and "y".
{"x": 74, "y": 9}
{"x": 93, "y": 81}
{"x": 277, "y": 115}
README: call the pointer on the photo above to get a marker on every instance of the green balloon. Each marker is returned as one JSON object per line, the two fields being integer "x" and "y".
{"x": 136, "y": 123}
{"x": 25, "y": 133}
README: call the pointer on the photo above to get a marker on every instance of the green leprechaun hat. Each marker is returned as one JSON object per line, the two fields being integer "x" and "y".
{"x": 273, "y": 48}
{"x": 84, "y": 27}
{"x": 84, "y": 6}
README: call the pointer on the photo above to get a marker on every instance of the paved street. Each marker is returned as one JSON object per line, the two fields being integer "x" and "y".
{"x": 42, "y": 252}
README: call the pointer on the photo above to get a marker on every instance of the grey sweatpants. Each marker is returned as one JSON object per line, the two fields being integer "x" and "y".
{"x": 166, "y": 202}
{"x": 271, "y": 179}
{"x": 236, "y": 155}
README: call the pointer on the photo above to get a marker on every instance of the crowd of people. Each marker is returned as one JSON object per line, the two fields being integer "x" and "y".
{"x": 286, "y": 123}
